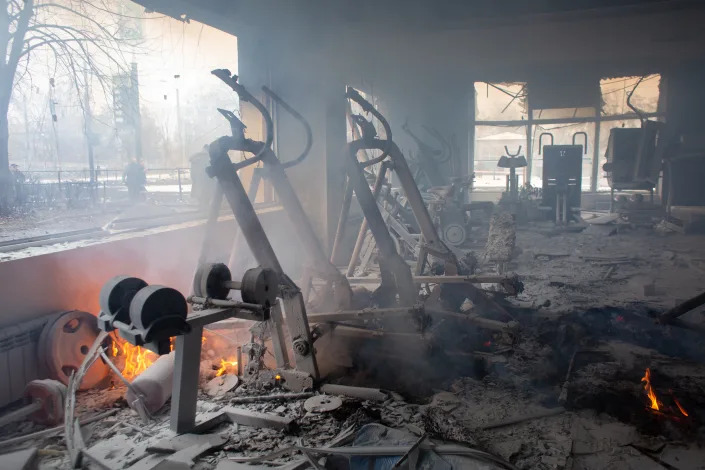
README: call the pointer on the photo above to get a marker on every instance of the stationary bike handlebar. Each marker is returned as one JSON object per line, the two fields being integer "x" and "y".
{"x": 298, "y": 117}
{"x": 231, "y": 81}
{"x": 366, "y": 106}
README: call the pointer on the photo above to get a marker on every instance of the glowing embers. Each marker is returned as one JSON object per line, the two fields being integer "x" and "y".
{"x": 657, "y": 405}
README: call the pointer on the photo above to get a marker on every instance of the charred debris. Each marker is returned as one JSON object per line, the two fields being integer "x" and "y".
{"x": 442, "y": 329}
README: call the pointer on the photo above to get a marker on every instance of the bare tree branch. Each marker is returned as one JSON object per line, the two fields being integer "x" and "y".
{"x": 17, "y": 41}
{"x": 32, "y": 47}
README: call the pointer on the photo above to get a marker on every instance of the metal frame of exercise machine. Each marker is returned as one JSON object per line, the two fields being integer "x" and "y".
{"x": 318, "y": 263}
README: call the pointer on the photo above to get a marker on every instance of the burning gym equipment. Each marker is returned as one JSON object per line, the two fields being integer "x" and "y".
{"x": 562, "y": 177}
{"x": 149, "y": 315}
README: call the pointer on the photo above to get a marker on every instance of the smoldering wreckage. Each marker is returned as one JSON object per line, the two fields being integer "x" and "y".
{"x": 455, "y": 338}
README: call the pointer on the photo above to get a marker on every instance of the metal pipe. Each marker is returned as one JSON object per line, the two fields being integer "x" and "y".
{"x": 682, "y": 309}
{"x": 224, "y": 303}
{"x": 236, "y": 285}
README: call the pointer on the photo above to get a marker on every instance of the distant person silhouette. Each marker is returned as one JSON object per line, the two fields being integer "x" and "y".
{"x": 135, "y": 179}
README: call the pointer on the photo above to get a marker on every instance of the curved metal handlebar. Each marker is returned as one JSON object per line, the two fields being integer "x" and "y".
{"x": 512, "y": 154}
{"x": 366, "y": 106}
{"x": 298, "y": 117}
{"x": 584, "y": 134}
{"x": 231, "y": 81}
{"x": 541, "y": 140}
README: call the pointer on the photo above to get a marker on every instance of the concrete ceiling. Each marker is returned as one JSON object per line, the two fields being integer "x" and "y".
{"x": 235, "y": 15}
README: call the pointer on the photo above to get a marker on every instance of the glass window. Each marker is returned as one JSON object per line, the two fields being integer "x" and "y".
{"x": 616, "y": 90}
{"x": 500, "y": 101}
{"x": 560, "y": 113}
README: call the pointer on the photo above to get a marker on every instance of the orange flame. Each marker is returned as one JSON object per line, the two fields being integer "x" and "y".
{"x": 649, "y": 390}
{"x": 224, "y": 365}
{"x": 656, "y": 404}
{"x": 137, "y": 359}
{"x": 680, "y": 407}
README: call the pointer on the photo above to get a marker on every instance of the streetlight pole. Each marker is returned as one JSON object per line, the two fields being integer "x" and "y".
{"x": 179, "y": 124}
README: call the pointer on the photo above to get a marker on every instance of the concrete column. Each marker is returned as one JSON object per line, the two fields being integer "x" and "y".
{"x": 310, "y": 83}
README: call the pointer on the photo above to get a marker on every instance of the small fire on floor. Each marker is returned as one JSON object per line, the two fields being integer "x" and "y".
{"x": 674, "y": 409}
{"x": 135, "y": 359}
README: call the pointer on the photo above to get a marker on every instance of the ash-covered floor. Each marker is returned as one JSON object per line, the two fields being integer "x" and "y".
{"x": 568, "y": 392}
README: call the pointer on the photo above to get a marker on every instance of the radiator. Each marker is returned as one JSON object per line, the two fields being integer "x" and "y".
{"x": 19, "y": 363}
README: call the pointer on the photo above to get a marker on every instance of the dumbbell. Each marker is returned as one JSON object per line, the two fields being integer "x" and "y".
{"x": 46, "y": 405}
{"x": 258, "y": 286}
{"x": 130, "y": 302}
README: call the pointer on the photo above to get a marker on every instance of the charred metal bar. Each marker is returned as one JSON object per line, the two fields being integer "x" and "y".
{"x": 381, "y": 177}
{"x": 511, "y": 327}
{"x": 226, "y": 304}
{"x": 392, "y": 266}
{"x": 363, "y": 314}
{"x": 682, "y": 309}
{"x": 233, "y": 262}
{"x": 222, "y": 169}
{"x": 432, "y": 241}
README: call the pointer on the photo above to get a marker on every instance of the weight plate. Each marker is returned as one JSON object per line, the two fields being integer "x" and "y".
{"x": 63, "y": 345}
{"x": 156, "y": 301}
{"x": 116, "y": 295}
{"x": 322, "y": 403}
{"x": 454, "y": 234}
{"x": 219, "y": 386}
{"x": 51, "y": 394}
{"x": 260, "y": 286}
{"x": 208, "y": 281}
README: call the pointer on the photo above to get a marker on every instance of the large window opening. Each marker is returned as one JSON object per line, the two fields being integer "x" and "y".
{"x": 504, "y": 117}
